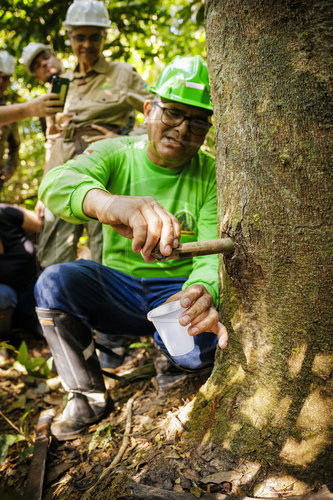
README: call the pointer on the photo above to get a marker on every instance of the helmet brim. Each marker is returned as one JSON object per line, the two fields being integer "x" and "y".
{"x": 173, "y": 97}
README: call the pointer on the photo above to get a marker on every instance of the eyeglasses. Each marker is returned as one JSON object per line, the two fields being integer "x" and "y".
{"x": 173, "y": 117}
{"x": 96, "y": 38}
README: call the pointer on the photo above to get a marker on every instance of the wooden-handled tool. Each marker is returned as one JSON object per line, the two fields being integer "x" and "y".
{"x": 195, "y": 248}
{"x": 35, "y": 480}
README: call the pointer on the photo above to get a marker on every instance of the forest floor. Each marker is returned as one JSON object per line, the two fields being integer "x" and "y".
{"x": 140, "y": 442}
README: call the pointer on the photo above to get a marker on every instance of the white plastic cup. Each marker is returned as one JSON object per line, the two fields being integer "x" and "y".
{"x": 174, "y": 335}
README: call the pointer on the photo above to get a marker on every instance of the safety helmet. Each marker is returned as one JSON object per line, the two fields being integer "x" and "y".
{"x": 87, "y": 13}
{"x": 7, "y": 63}
{"x": 185, "y": 80}
{"x": 31, "y": 51}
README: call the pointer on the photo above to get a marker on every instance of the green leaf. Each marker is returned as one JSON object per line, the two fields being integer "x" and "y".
{"x": 25, "y": 453}
{"x": 5, "y": 345}
{"x": 93, "y": 443}
{"x": 23, "y": 354}
{"x": 18, "y": 403}
{"x": 7, "y": 440}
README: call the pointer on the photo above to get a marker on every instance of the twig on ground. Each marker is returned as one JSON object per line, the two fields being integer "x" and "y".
{"x": 124, "y": 443}
{"x": 14, "y": 427}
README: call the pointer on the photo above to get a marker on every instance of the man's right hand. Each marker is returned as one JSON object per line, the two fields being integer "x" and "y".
{"x": 139, "y": 218}
{"x": 45, "y": 105}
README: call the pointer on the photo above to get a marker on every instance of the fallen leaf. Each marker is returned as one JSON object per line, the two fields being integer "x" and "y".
{"x": 222, "y": 477}
{"x": 31, "y": 394}
{"x": 173, "y": 454}
{"x": 52, "y": 399}
{"x": 178, "y": 488}
{"x": 42, "y": 388}
{"x": 196, "y": 491}
{"x": 192, "y": 475}
{"x": 18, "y": 403}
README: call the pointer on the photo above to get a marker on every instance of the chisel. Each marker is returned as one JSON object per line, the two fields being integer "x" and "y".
{"x": 195, "y": 248}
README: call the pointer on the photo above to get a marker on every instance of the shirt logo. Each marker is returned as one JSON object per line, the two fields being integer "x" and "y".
{"x": 187, "y": 222}
{"x": 88, "y": 152}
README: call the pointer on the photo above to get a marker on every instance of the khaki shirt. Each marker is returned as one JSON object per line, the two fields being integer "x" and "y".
{"x": 10, "y": 141}
{"x": 106, "y": 95}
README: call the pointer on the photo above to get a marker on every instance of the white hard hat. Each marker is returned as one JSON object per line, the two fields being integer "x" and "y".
{"x": 87, "y": 13}
{"x": 31, "y": 51}
{"x": 7, "y": 63}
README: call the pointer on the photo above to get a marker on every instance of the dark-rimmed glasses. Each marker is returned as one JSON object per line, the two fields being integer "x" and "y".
{"x": 173, "y": 117}
{"x": 96, "y": 38}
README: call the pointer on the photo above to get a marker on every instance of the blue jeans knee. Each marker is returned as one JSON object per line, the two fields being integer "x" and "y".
{"x": 8, "y": 297}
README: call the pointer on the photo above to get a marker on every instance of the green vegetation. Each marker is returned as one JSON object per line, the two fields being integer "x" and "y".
{"x": 146, "y": 33}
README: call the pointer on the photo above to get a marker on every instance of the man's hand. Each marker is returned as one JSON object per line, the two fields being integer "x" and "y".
{"x": 200, "y": 313}
{"x": 40, "y": 209}
{"x": 45, "y": 105}
{"x": 139, "y": 218}
{"x": 105, "y": 134}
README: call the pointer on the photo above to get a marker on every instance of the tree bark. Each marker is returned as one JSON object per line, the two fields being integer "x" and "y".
{"x": 267, "y": 403}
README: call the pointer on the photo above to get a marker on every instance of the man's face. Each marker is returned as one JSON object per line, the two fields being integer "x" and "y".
{"x": 87, "y": 44}
{"x": 45, "y": 65}
{"x": 4, "y": 82}
{"x": 172, "y": 146}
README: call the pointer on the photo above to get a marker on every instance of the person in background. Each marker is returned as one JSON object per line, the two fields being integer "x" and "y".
{"x": 40, "y": 60}
{"x": 159, "y": 189}
{"x": 9, "y": 136}
{"x": 100, "y": 99}
{"x": 18, "y": 269}
{"x": 46, "y": 105}
{"x": 100, "y": 102}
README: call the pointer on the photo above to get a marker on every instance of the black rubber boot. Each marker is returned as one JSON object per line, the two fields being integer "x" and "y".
{"x": 76, "y": 362}
{"x": 115, "y": 346}
{"x": 80, "y": 412}
{"x": 169, "y": 375}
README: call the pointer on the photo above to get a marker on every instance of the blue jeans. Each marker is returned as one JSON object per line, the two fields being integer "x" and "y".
{"x": 116, "y": 303}
{"x": 8, "y": 297}
{"x": 22, "y": 300}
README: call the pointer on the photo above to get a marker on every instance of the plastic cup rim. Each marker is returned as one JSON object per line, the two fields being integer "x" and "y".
{"x": 170, "y": 307}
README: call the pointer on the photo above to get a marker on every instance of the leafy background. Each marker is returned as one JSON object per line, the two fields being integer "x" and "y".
{"x": 146, "y": 33}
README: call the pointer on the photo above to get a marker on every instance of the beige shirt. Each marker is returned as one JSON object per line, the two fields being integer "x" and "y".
{"x": 106, "y": 95}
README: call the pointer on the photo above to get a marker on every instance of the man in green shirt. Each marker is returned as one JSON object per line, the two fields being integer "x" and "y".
{"x": 145, "y": 191}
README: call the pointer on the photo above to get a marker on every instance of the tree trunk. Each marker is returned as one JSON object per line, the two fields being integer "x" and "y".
{"x": 267, "y": 405}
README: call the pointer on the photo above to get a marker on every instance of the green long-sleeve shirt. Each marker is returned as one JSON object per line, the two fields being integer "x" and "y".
{"x": 121, "y": 166}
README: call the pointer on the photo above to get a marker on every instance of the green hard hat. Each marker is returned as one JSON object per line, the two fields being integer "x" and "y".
{"x": 185, "y": 80}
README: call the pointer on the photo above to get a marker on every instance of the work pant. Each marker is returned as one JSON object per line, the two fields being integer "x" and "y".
{"x": 21, "y": 300}
{"x": 115, "y": 303}
{"x": 59, "y": 239}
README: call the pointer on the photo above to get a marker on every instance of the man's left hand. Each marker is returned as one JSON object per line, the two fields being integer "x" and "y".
{"x": 200, "y": 313}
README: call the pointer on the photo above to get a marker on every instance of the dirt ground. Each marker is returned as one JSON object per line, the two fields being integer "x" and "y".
{"x": 141, "y": 441}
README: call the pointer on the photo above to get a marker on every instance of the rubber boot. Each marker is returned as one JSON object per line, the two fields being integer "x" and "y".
{"x": 75, "y": 358}
{"x": 116, "y": 347}
{"x": 169, "y": 375}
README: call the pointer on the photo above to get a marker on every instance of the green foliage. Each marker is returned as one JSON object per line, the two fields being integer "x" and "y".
{"x": 146, "y": 33}
{"x": 94, "y": 443}
{"x": 148, "y": 345}
{"x": 7, "y": 440}
{"x": 36, "y": 366}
